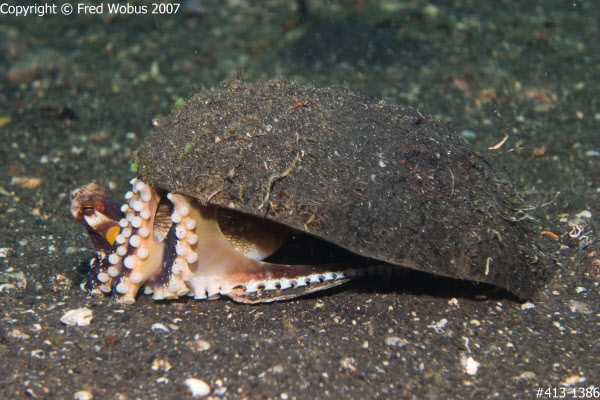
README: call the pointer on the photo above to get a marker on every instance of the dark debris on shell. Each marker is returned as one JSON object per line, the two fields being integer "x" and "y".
{"x": 381, "y": 180}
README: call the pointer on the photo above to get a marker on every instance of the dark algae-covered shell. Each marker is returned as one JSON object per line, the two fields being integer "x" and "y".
{"x": 387, "y": 183}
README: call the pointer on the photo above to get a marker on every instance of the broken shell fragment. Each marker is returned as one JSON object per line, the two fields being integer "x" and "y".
{"x": 79, "y": 317}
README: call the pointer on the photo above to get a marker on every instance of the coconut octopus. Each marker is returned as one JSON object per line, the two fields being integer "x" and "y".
{"x": 256, "y": 190}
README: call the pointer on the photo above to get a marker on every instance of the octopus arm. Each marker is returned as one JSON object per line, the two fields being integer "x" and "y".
{"x": 174, "y": 246}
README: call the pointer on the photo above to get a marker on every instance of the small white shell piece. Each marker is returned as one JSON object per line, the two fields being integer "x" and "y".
{"x": 198, "y": 387}
{"x": 78, "y": 317}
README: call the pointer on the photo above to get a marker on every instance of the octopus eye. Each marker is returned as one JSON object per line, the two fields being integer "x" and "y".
{"x": 88, "y": 210}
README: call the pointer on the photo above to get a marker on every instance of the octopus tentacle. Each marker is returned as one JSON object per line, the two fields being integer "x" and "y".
{"x": 222, "y": 270}
{"x": 175, "y": 246}
{"x": 140, "y": 254}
